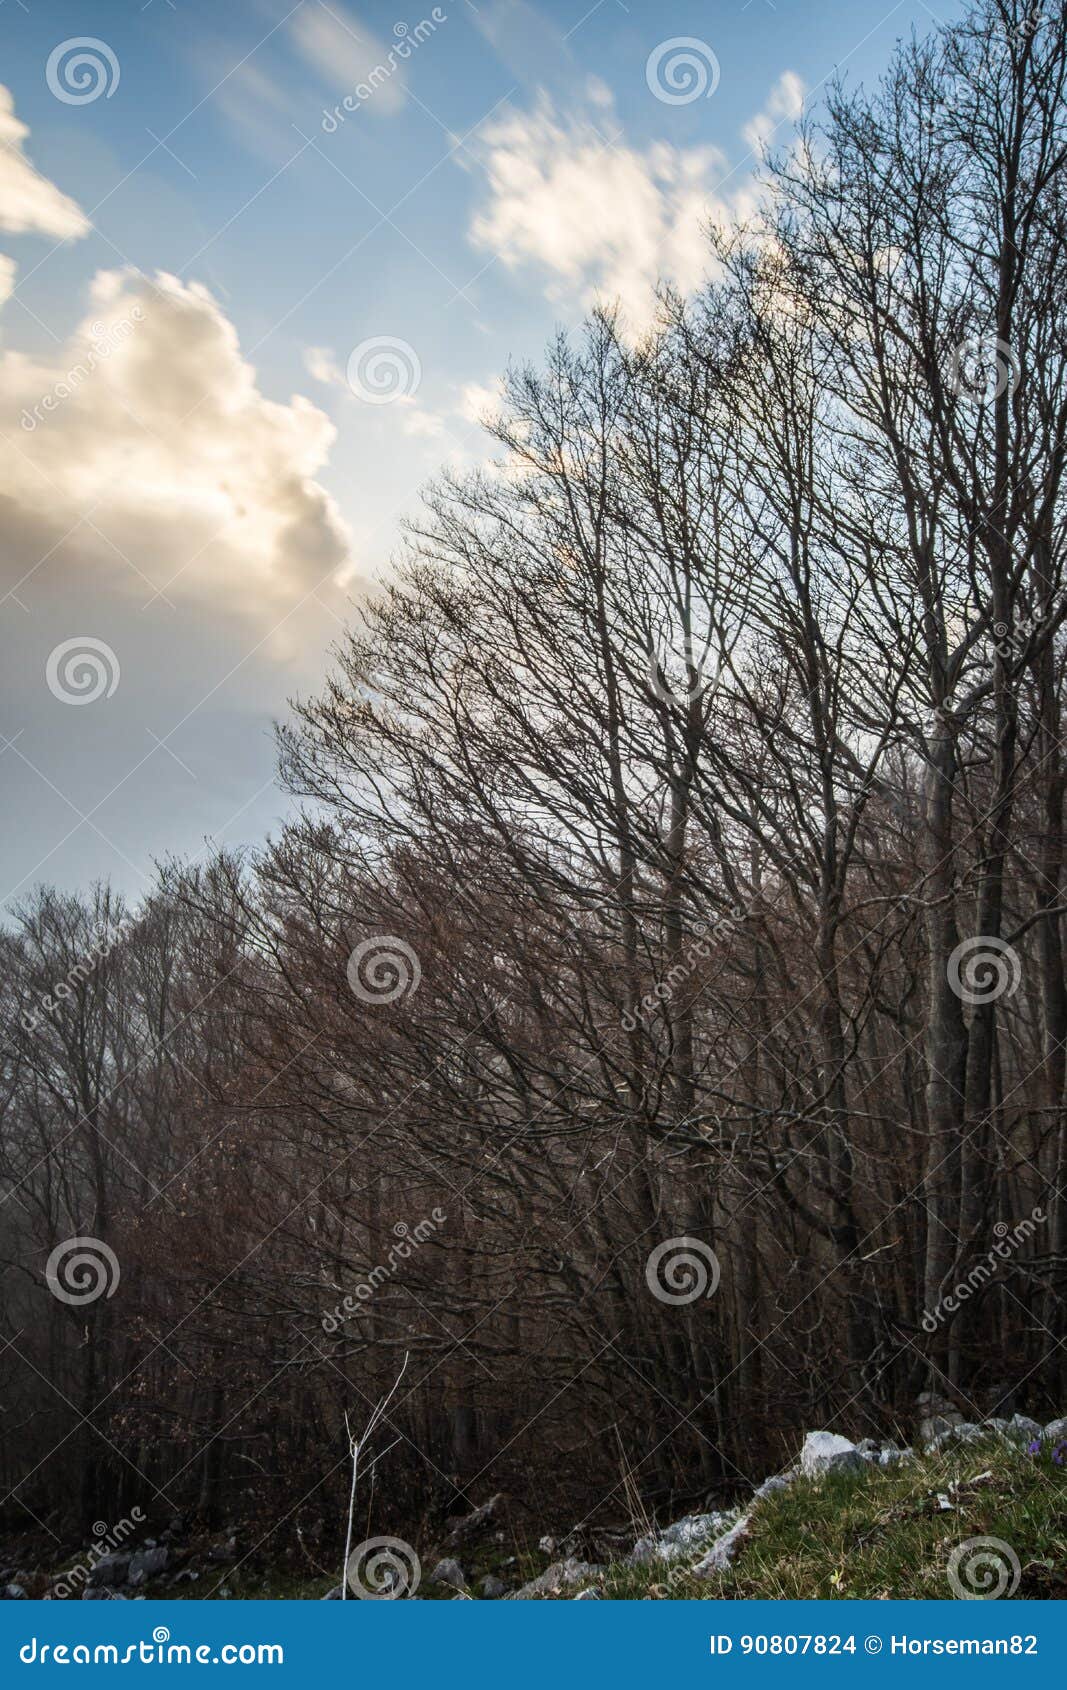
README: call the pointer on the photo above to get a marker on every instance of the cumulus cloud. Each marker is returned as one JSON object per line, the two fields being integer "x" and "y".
{"x": 603, "y": 220}
{"x": 146, "y": 451}
{"x": 29, "y": 203}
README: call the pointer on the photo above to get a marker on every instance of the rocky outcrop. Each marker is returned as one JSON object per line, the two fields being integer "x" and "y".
{"x": 556, "y": 1578}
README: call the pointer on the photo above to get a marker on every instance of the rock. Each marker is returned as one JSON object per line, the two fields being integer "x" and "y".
{"x": 148, "y": 1564}
{"x": 491, "y": 1588}
{"x": 97, "y": 1593}
{"x": 110, "y": 1570}
{"x": 828, "y": 1452}
{"x": 548, "y": 1545}
{"x": 892, "y": 1457}
{"x": 589, "y": 1595}
{"x": 1055, "y": 1431}
{"x": 462, "y": 1527}
{"x": 449, "y": 1572}
{"x": 723, "y": 1550}
{"x": 12, "y": 1593}
{"x": 1020, "y": 1426}
{"x": 223, "y": 1551}
{"x": 776, "y": 1482}
{"x": 683, "y": 1538}
{"x": 556, "y": 1578}
{"x": 869, "y": 1447}
{"x": 936, "y": 1415}
{"x": 1019, "y": 1429}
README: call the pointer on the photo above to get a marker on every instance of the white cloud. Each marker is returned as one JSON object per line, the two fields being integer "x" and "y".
{"x": 478, "y": 401}
{"x": 347, "y": 56}
{"x": 28, "y": 201}
{"x": 602, "y": 219}
{"x": 321, "y": 364}
{"x": 784, "y": 105}
{"x": 8, "y": 269}
{"x": 145, "y": 441}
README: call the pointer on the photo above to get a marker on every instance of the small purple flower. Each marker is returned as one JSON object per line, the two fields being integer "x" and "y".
{"x": 1059, "y": 1452}
{"x": 1035, "y": 1447}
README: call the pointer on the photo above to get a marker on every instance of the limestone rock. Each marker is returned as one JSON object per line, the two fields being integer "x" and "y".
{"x": 828, "y": 1452}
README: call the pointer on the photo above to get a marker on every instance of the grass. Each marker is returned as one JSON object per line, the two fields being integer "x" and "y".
{"x": 887, "y": 1533}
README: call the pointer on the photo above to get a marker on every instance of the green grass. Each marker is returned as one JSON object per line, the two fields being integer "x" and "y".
{"x": 884, "y": 1533}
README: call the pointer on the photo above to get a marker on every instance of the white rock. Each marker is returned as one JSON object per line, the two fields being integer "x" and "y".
{"x": 1020, "y": 1426}
{"x": 776, "y": 1482}
{"x": 554, "y": 1578}
{"x": 1055, "y": 1431}
{"x": 723, "y": 1550}
{"x": 828, "y": 1452}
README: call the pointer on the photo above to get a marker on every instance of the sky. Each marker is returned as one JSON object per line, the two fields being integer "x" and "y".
{"x": 262, "y": 265}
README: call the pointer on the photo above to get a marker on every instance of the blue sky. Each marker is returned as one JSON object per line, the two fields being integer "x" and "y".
{"x": 203, "y": 502}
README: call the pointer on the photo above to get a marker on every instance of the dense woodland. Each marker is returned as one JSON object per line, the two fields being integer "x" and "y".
{"x": 680, "y": 855}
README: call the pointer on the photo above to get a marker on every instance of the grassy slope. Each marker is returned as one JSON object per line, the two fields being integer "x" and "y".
{"x": 886, "y": 1534}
